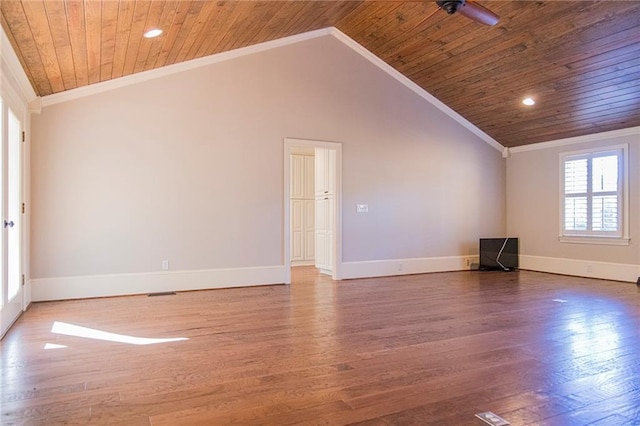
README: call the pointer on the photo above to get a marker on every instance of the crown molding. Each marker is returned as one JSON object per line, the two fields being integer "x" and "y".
{"x": 10, "y": 64}
{"x": 35, "y": 106}
{"x": 594, "y": 137}
{"x": 128, "y": 80}
{"x": 401, "y": 78}
{"x": 225, "y": 56}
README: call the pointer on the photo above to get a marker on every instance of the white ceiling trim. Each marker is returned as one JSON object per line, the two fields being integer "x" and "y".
{"x": 128, "y": 80}
{"x": 594, "y": 137}
{"x": 224, "y": 56}
{"x": 414, "y": 87}
{"x": 10, "y": 64}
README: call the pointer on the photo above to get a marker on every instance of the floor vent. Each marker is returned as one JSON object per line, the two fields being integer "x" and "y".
{"x": 162, "y": 293}
{"x": 492, "y": 419}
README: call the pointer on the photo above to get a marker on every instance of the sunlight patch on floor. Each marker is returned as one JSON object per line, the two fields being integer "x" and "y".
{"x": 91, "y": 333}
{"x": 54, "y": 346}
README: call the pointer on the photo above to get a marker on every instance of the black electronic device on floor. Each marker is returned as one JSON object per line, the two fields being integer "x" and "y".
{"x": 498, "y": 254}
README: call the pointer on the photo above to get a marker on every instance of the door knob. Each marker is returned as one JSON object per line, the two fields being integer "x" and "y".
{"x": 8, "y": 224}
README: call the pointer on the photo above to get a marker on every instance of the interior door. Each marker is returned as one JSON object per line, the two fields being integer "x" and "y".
{"x": 325, "y": 167}
{"x": 11, "y": 298}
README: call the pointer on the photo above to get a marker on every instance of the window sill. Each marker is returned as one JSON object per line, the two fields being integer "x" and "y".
{"x": 589, "y": 239}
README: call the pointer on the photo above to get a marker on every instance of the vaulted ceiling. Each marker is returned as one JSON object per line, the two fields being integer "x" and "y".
{"x": 580, "y": 60}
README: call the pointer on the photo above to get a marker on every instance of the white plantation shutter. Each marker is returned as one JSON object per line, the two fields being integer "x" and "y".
{"x": 605, "y": 193}
{"x": 592, "y": 193}
{"x": 575, "y": 190}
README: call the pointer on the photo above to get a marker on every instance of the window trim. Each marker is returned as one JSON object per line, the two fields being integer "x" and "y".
{"x": 575, "y": 237}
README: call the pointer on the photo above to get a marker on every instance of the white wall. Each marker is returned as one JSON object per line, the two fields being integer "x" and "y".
{"x": 189, "y": 167}
{"x": 533, "y": 211}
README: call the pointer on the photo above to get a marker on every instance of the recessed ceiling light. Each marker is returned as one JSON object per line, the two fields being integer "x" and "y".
{"x": 528, "y": 101}
{"x": 153, "y": 33}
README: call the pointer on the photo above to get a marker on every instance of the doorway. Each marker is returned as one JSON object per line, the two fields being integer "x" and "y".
{"x": 11, "y": 297}
{"x": 332, "y": 212}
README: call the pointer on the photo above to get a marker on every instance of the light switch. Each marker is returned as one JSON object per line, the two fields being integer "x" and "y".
{"x": 362, "y": 208}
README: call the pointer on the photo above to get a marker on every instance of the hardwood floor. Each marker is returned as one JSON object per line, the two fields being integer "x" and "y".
{"x": 412, "y": 350}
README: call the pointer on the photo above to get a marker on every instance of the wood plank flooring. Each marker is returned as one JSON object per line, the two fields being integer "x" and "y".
{"x": 536, "y": 349}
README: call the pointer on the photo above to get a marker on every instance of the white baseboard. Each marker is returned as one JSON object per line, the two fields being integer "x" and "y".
{"x": 385, "y": 268}
{"x": 63, "y": 288}
{"x": 581, "y": 268}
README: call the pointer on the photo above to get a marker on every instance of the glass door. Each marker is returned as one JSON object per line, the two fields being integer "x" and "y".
{"x": 11, "y": 299}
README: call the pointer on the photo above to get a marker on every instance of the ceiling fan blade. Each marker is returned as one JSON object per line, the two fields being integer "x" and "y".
{"x": 473, "y": 10}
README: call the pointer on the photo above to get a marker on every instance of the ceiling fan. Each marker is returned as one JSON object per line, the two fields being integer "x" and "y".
{"x": 470, "y": 9}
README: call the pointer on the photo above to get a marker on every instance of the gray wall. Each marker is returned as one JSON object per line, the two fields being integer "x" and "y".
{"x": 533, "y": 204}
{"x": 189, "y": 167}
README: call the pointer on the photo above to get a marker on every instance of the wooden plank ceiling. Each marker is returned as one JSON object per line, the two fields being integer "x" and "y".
{"x": 580, "y": 60}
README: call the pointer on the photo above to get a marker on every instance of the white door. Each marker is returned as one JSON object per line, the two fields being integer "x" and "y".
{"x": 324, "y": 234}
{"x": 297, "y": 230}
{"x": 302, "y": 208}
{"x": 325, "y": 170}
{"x": 11, "y": 210}
{"x": 321, "y": 170}
{"x": 309, "y": 229}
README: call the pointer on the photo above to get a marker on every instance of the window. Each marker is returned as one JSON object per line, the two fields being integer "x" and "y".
{"x": 594, "y": 196}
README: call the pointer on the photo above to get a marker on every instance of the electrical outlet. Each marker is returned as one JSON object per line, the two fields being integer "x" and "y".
{"x": 165, "y": 265}
{"x": 589, "y": 268}
{"x": 467, "y": 262}
{"x": 400, "y": 267}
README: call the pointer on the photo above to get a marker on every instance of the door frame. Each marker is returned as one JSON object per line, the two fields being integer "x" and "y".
{"x": 12, "y": 311}
{"x": 289, "y": 145}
